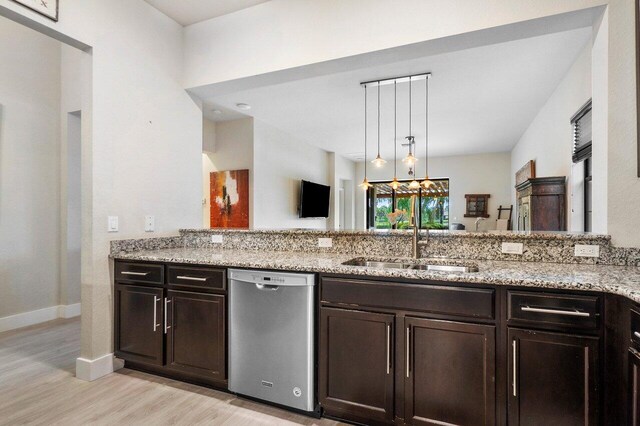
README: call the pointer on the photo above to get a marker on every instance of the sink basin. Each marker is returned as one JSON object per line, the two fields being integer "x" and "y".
{"x": 405, "y": 264}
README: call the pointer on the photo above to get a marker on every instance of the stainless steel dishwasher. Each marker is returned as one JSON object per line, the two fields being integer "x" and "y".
{"x": 271, "y": 337}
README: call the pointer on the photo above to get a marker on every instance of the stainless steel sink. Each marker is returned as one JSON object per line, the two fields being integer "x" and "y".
{"x": 403, "y": 264}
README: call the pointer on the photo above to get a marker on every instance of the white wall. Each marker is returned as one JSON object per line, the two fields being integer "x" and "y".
{"x": 232, "y": 150}
{"x": 468, "y": 174}
{"x": 29, "y": 170}
{"x": 549, "y": 138}
{"x": 280, "y": 162}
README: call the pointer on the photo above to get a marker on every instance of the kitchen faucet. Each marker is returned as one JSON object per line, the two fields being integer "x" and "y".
{"x": 415, "y": 250}
{"x": 478, "y": 220}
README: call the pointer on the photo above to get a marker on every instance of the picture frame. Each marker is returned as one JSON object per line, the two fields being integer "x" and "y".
{"x": 47, "y": 8}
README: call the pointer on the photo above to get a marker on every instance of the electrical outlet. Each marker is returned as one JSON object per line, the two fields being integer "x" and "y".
{"x": 325, "y": 242}
{"x": 586, "y": 250}
{"x": 512, "y": 248}
{"x": 216, "y": 239}
{"x": 149, "y": 224}
{"x": 112, "y": 224}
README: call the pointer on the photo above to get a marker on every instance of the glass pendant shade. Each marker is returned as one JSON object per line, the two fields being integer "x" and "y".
{"x": 414, "y": 184}
{"x": 427, "y": 183}
{"x": 379, "y": 161}
{"x": 365, "y": 184}
{"x": 395, "y": 184}
{"x": 409, "y": 160}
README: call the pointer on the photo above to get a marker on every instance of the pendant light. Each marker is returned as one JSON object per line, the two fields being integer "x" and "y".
{"x": 394, "y": 183}
{"x": 410, "y": 159}
{"x": 365, "y": 185}
{"x": 426, "y": 183}
{"x": 379, "y": 161}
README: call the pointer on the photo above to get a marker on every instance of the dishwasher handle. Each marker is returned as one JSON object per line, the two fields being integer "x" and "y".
{"x": 267, "y": 287}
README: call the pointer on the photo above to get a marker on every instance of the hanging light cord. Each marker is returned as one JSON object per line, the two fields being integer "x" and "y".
{"x": 365, "y": 131}
{"x": 378, "y": 119}
{"x": 395, "y": 129}
{"x": 410, "y": 127}
{"x": 426, "y": 128}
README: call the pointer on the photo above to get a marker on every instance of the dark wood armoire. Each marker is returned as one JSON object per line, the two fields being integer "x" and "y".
{"x": 542, "y": 204}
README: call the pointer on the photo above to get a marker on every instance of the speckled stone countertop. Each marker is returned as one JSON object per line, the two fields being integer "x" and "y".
{"x": 622, "y": 280}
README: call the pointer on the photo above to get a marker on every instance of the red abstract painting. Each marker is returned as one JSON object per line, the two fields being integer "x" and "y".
{"x": 229, "y": 191}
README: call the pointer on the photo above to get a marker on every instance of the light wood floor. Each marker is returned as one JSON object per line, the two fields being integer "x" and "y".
{"x": 38, "y": 387}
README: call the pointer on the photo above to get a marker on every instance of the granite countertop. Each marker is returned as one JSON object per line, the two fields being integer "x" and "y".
{"x": 622, "y": 280}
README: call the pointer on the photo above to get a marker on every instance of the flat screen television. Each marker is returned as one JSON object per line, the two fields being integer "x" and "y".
{"x": 314, "y": 199}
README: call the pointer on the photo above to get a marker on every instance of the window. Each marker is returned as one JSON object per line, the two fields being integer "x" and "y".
{"x": 582, "y": 131}
{"x": 382, "y": 200}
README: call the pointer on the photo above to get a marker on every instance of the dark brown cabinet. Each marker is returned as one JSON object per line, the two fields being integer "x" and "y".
{"x": 634, "y": 387}
{"x": 195, "y": 334}
{"x": 356, "y": 374}
{"x": 139, "y": 334}
{"x": 172, "y": 323}
{"x": 449, "y": 373}
{"x": 542, "y": 204}
{"x": 554, "y": 378}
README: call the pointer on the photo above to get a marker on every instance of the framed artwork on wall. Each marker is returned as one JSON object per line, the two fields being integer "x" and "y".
{"x": 47, "y": 8}
{"x": 229, "y": 192}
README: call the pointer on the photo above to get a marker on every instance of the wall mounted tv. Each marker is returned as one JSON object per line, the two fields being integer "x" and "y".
{"x": 314, "y": 199}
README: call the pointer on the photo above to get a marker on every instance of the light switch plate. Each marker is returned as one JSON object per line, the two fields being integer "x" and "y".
{"x": 512, "y": 248}
{"x": 325, "y": 242}
{"x": 587, "y": 250}
{"x": 112, "y": 224}
{"x": 216, "y": 239}
{"x": 149, "y": 224}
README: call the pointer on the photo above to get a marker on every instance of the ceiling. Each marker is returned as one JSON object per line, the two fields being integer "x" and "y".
{"x": 187, "y": 12}
{"x": 481, "y": 99}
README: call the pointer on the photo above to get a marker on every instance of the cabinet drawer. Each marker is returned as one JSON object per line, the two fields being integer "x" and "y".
{"x": 553, "y": 310}
{"x": 435, "y": 299}
{"x": 199, "y": 277}
{"x": 139, "y": 272}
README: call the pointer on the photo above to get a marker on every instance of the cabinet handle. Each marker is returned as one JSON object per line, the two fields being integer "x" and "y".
{"x": 388, "y": 347}
{"x": 155, "y": 313}
{"x": 514, "y": 345}
{"x": 573, "y": 313}
{"x": 637, "y": 334}
{"x": 166, "y": 327}
{"x": 137, "y": 274}
{"x": 187, "y": 278}
{"x": 408, "y": 349}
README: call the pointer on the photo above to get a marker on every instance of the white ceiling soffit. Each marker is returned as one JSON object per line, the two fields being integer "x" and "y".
{"x": 481, "y": 99}
{"x": 187, "y": 12}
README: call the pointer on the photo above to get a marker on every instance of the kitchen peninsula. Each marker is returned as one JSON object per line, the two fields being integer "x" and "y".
{"x": 522, "y": 338}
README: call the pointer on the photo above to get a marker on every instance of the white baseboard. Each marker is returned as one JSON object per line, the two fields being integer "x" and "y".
{"x": 26, "y": 319}
{"x": 92, "y": 369}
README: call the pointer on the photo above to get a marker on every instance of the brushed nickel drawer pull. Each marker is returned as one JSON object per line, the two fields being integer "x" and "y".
{"x": 514, "y": 345}
{"x": 137, "y": 274}
{"x": 185, "y": 277}
{"x": 166, "y": 308}
{"x": 572, "y": 313}
{"x": 155, "y": 313}
{"x": 408, "y": 348}
{"x": 388, "y": 347}
{"x": 637, "y": 334}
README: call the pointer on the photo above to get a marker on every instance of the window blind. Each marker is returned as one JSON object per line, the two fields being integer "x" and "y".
{"x": 582, "y": 131}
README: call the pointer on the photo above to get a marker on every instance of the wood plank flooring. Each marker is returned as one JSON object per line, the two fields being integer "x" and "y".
{"x": 38, "y": 387}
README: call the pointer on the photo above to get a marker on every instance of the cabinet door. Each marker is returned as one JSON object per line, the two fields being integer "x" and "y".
{"x": 634, "y": 387}
{"x": 356, "y": 365}
{"x": 553, "y": 378}
{"x": 138, "y": 324}
{"x": 449, "y": 373}
{"x": 196, "y": 334}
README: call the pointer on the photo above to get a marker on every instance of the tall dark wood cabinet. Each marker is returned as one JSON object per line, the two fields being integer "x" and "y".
{"x": 172, "y": 323}
{"x": 355, "y": 349}
{"x": 554, "y": 378}
{"x": 542, "y": 204}
{"x": 450, "y": 373}
{"x": 634, "y": 387}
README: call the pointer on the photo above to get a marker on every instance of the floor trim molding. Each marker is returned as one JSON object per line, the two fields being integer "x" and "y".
{"x": 26, "y": 319}
{"x": 92, "y": 369}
